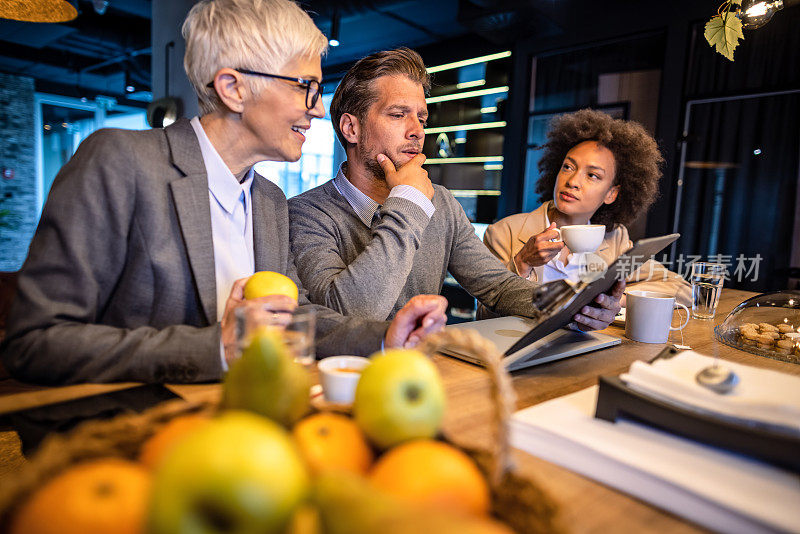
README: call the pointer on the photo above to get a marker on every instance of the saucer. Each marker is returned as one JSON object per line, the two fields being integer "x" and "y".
{"x": 319, "y": 403}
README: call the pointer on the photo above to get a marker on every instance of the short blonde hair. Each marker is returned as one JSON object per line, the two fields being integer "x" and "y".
{"x": 260, "y": 35}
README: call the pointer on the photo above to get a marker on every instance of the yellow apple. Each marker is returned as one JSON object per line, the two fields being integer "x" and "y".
{"x": 399, "y": 397}
{"x": 238, "y": 473}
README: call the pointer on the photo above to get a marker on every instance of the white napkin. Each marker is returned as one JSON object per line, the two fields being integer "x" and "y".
{"x": 761, "y": 396}
{"x": 718, "y": 489}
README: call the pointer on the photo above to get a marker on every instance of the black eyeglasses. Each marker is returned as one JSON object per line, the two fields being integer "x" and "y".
{"x": 312, "y": 87}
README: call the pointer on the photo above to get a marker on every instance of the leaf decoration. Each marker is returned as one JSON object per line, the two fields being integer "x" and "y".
{"x": 723, "y": 32}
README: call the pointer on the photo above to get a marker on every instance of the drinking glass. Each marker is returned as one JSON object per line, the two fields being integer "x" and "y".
{"x": 296, "y": 327}
{"x": 706, "y": 282}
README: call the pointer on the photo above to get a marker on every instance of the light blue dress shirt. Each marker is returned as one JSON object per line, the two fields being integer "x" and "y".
{"x": 366, "y": 208}
{"x": 231, "y": 219}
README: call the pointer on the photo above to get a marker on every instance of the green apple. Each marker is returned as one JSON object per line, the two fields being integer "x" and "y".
{"x": 240, "y": 473}
{"x": 399, "y": 397}
{"x": 266, "y": 380}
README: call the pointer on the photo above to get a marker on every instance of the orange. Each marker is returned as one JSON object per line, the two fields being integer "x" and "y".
{"x": 329, "y": 441}
{"x": 106, "y": 495}
{"x": 265, "y": 283}
{"x": 154, "y": 449}
{"x": 432, "y": 473}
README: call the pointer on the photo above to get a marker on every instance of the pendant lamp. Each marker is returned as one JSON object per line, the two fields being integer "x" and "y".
{"x": 37, "y": 10}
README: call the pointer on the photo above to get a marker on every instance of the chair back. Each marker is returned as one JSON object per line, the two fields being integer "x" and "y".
{"x": 8, "y": 288}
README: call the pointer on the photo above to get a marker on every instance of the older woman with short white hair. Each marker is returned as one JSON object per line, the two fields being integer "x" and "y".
{"x": 148, "y": 237}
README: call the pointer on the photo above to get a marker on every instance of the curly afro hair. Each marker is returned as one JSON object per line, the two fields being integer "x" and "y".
{"x": 636, "y": 155}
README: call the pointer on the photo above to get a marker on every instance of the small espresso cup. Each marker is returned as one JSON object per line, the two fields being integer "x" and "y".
{"x": 581, "y": 238}
{"x": 339, "y": 376}
{"x": 648, "y": 316}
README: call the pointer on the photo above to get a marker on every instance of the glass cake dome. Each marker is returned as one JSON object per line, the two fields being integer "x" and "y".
{"x": 766, "y": 325}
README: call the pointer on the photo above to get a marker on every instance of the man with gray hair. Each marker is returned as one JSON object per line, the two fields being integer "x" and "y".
{"x": 380, "y": 233}
{"x": 147, "y": 238}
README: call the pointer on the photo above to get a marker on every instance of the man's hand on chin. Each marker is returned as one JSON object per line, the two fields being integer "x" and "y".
{"x": 599, "y": 317}
{"x": 411, "y": 173}
{"x": 422, "y": 315}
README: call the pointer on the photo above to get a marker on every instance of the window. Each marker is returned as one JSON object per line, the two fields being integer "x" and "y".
{"x": 62, "y": 122}
{"x": 316, "y": 165}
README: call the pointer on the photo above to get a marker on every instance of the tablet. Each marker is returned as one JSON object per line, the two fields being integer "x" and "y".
{"x": 560, "y": 300}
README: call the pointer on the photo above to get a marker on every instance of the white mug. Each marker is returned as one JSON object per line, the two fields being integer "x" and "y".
{"x": 648, "y": 316}
{"x": 582, "y": 237}
{"x": 339, "y": 376}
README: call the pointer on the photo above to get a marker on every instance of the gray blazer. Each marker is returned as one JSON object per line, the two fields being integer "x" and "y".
{"x": 119, "y": 283}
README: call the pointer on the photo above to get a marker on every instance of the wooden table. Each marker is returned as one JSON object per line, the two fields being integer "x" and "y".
{"x": 586, "y": 506}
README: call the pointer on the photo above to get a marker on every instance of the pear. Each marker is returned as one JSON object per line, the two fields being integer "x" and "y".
{"x": 266, "y": 380}
{"x": 348, "y": 504}
{"x": 305, "y": 520}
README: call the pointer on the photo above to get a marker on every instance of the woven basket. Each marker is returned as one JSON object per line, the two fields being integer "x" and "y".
{"x": 517, "y": 501}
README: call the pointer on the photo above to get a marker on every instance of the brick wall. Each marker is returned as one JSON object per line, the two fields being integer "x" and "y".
{"x": 17, "y": 155}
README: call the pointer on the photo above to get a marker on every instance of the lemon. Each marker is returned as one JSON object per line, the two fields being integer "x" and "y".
{"x": 265, "y": 283}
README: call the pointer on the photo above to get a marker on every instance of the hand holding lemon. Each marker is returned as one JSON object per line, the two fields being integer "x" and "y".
{"x": 266, "y": 283}
{"x": 276, "y": 291}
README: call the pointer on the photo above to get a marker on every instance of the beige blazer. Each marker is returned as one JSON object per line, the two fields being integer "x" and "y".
{"x": 506, "y": 237}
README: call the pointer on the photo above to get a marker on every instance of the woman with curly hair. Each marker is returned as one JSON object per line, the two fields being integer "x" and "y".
{"x": 594, "y": 168}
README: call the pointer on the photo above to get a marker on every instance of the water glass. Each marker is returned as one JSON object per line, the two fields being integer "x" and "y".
{"x": 706, "y": 282}
{"x": 296, "y": 327}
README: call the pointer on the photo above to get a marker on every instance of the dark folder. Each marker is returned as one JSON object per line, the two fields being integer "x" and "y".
{"x": 560, "y": 300}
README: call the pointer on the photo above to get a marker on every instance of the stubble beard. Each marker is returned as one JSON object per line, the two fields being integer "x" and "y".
{"x": 371, "y": 163}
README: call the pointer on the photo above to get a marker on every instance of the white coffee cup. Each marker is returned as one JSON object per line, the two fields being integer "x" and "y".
{"x": 648, "y": 316}
{"x": 339, "y": 376}
{"x": 581, "y": 238}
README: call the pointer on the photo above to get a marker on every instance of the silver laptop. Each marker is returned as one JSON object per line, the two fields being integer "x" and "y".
{"x": 504, "y": 332}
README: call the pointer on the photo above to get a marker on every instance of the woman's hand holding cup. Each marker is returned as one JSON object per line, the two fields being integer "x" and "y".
{"x": 539, "y": 250}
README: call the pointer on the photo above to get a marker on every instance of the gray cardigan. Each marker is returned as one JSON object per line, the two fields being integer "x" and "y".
{"x": 372, "y": 273}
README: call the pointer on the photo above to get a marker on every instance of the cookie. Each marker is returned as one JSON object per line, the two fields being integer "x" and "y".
{"x": 785, "y": 328}
{"x": 749, "y": 336}
{"x": 773, "y": 335}
{"x": 765, "y": 342}
{"x": 766, "y": 327}
{"x": 784, "y": 346}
